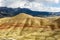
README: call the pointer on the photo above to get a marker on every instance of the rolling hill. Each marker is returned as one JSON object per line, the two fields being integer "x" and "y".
{"x": 27, "y": 27}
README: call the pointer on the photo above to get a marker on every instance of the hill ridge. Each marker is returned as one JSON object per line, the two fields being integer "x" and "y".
{"x": 25, "y": 20}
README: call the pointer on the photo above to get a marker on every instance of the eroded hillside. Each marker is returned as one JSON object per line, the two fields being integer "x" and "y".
{"x": 27, "y": 27}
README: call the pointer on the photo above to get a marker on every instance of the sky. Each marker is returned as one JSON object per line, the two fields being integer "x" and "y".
{"x": 35, "y": 5}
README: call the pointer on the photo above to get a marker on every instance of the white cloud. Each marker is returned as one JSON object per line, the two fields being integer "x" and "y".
{"x": 17, "y": 4}
{"x": 56, "y": 1}
{"x": 35, "y": 5}
{"x": 53, "y": 1}
{"x": 0, "y": 2}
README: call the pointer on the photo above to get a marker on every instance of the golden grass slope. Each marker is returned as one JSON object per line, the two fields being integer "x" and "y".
{"x": 24, "y": 26}
{"x": 23, "y": 20}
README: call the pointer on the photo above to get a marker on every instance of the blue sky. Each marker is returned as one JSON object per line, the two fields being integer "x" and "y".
{"x": 36, "y": 5}
{"x": 52, "y": 4}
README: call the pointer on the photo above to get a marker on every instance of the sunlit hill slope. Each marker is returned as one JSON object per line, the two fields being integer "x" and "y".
{"x": 24, "y": 25}
{"x": 23, "y": 20}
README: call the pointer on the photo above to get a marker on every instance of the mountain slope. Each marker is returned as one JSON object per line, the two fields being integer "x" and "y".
{"x": 9, "y": 12}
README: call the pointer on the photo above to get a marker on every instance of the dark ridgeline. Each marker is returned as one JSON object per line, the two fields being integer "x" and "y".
{"x": 8, "y": 12}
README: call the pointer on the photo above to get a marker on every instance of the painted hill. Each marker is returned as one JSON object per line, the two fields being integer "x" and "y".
{"x": 24, "y": 25}
{"x": 29, "y": 20}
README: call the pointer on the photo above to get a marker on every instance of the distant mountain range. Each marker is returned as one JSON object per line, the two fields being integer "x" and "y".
{"x": 8, "y": 12}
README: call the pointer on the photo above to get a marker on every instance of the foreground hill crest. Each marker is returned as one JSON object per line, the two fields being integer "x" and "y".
{"x": 24, "y": 20}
